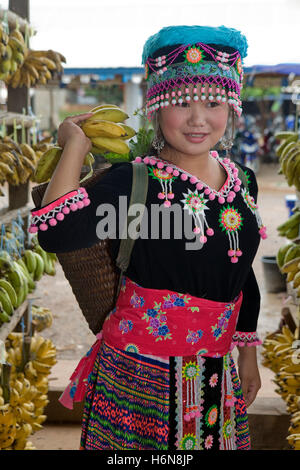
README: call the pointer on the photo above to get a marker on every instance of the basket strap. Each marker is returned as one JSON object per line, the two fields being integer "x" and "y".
{"x": 138, "y": 195}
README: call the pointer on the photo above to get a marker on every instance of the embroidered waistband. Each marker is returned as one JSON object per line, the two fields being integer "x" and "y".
{"x": 169, "y": 323}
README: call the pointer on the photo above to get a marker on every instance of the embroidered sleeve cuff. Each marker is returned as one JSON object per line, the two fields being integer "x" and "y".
{"x": 242, "y": 338}
{"x": 56, "y": 210}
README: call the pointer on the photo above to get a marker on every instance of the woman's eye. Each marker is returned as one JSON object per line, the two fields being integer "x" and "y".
{"x": 182, "y": 105}
{"x": 213, "y": 104}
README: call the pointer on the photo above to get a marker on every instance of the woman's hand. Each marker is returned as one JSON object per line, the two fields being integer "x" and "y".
{"x": 249, "y": 373}
{"x": 70, "y": 131}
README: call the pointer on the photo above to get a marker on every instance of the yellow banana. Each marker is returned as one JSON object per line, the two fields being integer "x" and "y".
{"x": 28, "y": 152}
{"x": 8, "y": 158}
{"x": 47, "y": 164}
{"x": 102, "y": 128}
{"x": 291, "y": 265}
{"x": 5, "y": 169}
{"x": 16, "y": 33}
{"x": 101, "y": 106}
{"x": 112, "y": 145}
{"x": 130, "y": 132}
{"x": 109, "y": 114}
{"x": 41, "y": 367}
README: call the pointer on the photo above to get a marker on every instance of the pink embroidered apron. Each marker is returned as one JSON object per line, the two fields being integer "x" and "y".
{"x": 159, "y": 322}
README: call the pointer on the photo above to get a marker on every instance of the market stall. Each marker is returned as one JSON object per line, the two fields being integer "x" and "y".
{"x": 26, "y": 357}
{"x": 281, "y": 349}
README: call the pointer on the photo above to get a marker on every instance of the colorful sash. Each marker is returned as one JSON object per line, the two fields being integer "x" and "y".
{"x": 159, "y": 322}
{"x": 168, "y": 323}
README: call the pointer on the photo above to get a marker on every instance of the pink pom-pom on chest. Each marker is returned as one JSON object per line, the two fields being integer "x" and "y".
{"x": 52, "y": 222}
{"x": 65, "y": 210}
{"x": 60, "y": 216}
{"x": 73, "y": 206}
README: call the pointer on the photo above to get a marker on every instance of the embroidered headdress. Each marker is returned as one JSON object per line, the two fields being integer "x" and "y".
{"x": 180, "y": 56}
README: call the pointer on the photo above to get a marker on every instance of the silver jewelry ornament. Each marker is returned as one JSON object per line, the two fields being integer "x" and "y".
{"x": 158, "y": 142}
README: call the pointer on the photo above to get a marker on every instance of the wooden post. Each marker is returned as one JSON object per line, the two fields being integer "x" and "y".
{"x": 17, "y": 100}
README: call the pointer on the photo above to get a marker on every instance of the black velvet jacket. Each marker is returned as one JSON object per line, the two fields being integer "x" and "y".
{"x": 165, "y": 263}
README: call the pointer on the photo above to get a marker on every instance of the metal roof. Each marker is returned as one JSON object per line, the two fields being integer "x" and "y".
{"x": 106, "y": 73}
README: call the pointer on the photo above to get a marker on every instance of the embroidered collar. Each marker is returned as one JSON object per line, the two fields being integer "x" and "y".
{"x": 168, "y": 172}
{"x": 195, "y": 201}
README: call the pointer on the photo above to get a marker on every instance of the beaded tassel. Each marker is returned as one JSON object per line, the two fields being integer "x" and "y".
{"x": 227, "y": 424}
{"x": 192, "y": 409}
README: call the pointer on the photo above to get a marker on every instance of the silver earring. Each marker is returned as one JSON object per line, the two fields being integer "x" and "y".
{"x": 158, "y": 142}
{"x": 226, "y": 143}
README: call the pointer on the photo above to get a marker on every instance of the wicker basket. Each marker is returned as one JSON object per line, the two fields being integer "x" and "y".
{"x": 91, "y": 272}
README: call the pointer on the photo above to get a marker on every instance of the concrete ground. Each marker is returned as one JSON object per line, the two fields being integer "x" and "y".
{"x": 71, "y": 335}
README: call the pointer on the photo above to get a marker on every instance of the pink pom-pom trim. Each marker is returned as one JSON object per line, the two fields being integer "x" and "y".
{"x": 52, "y": 222}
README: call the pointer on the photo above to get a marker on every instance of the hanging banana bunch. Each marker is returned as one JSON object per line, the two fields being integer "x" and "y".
{"x": 288, "y": 152}
{"x": 13, "y": 51}
{"x": 37, "y": 69}
{"x": 280, "y": 355}
{"x": 22, "y": 410}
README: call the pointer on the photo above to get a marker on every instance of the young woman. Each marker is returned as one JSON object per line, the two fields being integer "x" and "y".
{"x": 163, "y": 376}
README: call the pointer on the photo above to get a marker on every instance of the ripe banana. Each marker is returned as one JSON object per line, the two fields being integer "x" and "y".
{"x": 129, "y": 131}
{"x": 47, "y": 164}
{"x": 291, "y": 265}
{"x": 102, "y": 128}
{"x": 101, "y": 106}
{"x": 109, "y": 114}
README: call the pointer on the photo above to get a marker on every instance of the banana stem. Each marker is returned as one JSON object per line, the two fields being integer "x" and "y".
{"x": 23, "y": 132}
{"x": 4, "y": 128}
{"x": 34, "y": 138}
{"x": 15, "y": 131}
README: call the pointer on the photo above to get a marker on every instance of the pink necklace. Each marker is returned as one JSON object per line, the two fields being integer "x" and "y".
{"x": 230, "y": 219}
{"x": 167, "y": 172}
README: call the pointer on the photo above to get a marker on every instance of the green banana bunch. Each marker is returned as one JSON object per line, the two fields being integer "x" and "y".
{"x": 4, "y": 317}
{"x": 49, "y": 261}
{"x": 288, "y": 152}
{"x": 20, "y": 282}
{"x": 8, "y": 287}
{"x": 5, "y": 261}
{"x": 34, "y": 263}
{"x": 49, "y": 161}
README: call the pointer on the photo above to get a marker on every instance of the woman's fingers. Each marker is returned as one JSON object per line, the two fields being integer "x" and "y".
{"x": 79, "y": 117}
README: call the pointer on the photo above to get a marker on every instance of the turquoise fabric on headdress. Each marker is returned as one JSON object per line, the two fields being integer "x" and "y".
{"x": 171, "y": 35}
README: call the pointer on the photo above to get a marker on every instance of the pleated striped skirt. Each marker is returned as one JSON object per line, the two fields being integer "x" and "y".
{"x": 142, "y": 403}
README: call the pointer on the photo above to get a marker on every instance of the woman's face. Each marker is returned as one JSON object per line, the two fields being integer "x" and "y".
{"x": 194, "y": 128}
